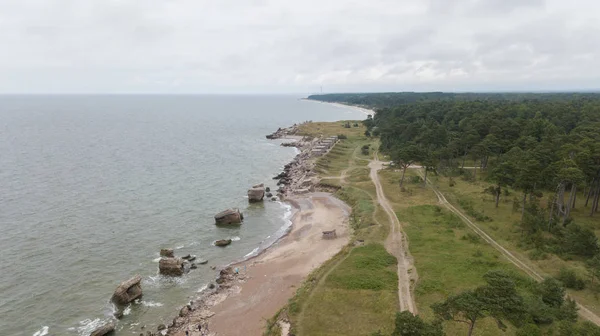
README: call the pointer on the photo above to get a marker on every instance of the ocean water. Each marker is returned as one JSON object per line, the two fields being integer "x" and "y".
{"x": 91, "y": 187}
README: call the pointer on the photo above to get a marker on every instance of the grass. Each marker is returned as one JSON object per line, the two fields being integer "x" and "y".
{"x": 504, "y": 228}
{"x": 326, "y": 129}
{"x": 356, "y": 296}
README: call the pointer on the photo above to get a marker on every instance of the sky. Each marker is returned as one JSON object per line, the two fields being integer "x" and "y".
{"x": 299, "y": 46}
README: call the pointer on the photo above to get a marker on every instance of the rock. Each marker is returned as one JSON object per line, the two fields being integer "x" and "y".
{"x": 128, "y": 291}
{"x": 161, "y": 327}
{"x": 213, "y": 267}
{"x": 168, "y": 252}
{"x": 269, "y": 195}
{"x": 193, "y": 266}
{"x": 211, "y": 286}
{"x": 256, "y": 193}
{"x": 267, "y": 189}
{"x": 189, "y": 257}
{"x": 104, "y": 330}
{"x": 262, "y": 185}
{"x": 273, "y": 199}
{"x": 171, "y": 266}
{"x": 184, "y": 311}
{"x": 229, "y": 216}
{"x": 202, "y": 261}
{"x": 223, "y": 242}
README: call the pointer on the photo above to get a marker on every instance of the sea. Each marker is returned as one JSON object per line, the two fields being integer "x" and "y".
{"x": 93, "y": 186}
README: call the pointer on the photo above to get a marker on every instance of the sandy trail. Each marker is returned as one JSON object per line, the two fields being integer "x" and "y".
{"x": 267, "y": 282}
{"x": 583, "y": 311}
{"x": 396, "y": 244}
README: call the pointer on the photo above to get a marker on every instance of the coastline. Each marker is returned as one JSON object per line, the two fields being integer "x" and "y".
{"x": 365, "y": 110}
{"x": 254, "y": 288}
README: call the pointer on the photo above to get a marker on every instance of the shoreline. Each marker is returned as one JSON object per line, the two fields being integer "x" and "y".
{"x": 312, "y": 213}
{"x": 363, "y": 109}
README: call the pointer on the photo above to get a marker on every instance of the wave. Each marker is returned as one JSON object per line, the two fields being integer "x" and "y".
{"x": 42, "y": 332}
{"x": 151, "y": 304}
{"x": 87, "y": 326}
{"x": 202, "y": 289}
{"x": 236, "y": 238}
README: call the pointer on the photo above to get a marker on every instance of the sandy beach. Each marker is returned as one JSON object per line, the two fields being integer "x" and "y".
{"x": 263, "y": 285}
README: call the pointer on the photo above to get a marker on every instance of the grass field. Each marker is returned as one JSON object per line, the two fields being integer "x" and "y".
{"x": 504, "y": 228}
{"x": 447, "y": 257}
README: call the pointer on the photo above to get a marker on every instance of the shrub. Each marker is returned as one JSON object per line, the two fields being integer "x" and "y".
{"x": 415, "y": 179}
{"x": 468, "y": 207}
{"x": 580, "y": 241}
{"x": 342, "y": 136}
{"x": 570, "y": 279}
{"x": 408, "y": 324}
{"x": 529, "y": 330}
{"x": 471, "y": 237}
{"x": 538, "y": 254}
{"x": 552, "y": 292}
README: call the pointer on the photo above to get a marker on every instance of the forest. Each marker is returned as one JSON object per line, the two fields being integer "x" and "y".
{"x": 541, "y": 150}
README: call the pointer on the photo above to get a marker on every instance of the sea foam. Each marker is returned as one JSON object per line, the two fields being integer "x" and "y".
{"x": 42, "y": 332}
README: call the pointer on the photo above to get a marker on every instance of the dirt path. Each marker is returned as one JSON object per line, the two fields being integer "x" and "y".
{"x": 396, "y": 244}
{"x": 583, "y": 311}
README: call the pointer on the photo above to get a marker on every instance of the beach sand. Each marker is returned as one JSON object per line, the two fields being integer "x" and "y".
{"x": 266, "y": 283}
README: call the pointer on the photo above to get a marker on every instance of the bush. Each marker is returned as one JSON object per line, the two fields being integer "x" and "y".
{"x": 552, "y": 292}
{"x": 471, "y": 237}
{"x": 408, "y": 324}
{"x": 580, "y": 241}
{"x": 415, "y": 179}
{"x": 342, "y": 136}
{"x": 538, "y": 254}
{"x": 365, "y": 150}
{"x": 468, "y": 207}
{"x": 529, "y": 330}
{"x": 570, "y": 279}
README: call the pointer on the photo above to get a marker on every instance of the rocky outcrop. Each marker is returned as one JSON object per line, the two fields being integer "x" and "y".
{"x": 229, "y": 216}
{"x": 171, "y": 266}
{"x": 256, "y": 193}
{"x": 104, "y": 330}
{"x": 223, "y": 242}
{"x": 167, "y": 252}
{"x": 128, "y": 291}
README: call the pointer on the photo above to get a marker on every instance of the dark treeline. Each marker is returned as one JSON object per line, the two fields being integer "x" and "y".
{"x": 531, "y": 145}
{"x": 387, "y": 99}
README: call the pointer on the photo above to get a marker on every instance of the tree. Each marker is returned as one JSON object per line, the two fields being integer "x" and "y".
{"x": 498, "y": 299}
{"x": 580, "y": 241}
{"x": 552, "y": 292}
{"x": 408, "y": 324}
{"x": 593, "y": 266}
{"x": 503, "y": 175}
{"x": 404, "y": 156}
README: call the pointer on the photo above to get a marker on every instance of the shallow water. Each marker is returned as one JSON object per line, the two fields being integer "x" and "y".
{"x": 93, "y": 187}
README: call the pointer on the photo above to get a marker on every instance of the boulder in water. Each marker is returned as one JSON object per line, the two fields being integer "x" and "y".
{"x": 128, "y": 291}
{"x": 171, "y": 266}
{"x": 104, "y": 330}
{"x": 223, "y": 242}
{"x": 256, "y": 193}
{"x": 229, "y": 216}
{"x": 202, "y": 261}
{"x": 167, "y": 252}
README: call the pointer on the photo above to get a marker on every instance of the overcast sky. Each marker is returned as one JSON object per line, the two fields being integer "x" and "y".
{"x": 295, "y": 46}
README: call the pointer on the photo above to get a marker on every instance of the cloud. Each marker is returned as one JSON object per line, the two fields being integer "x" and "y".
{"x": 207, "y": 46}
